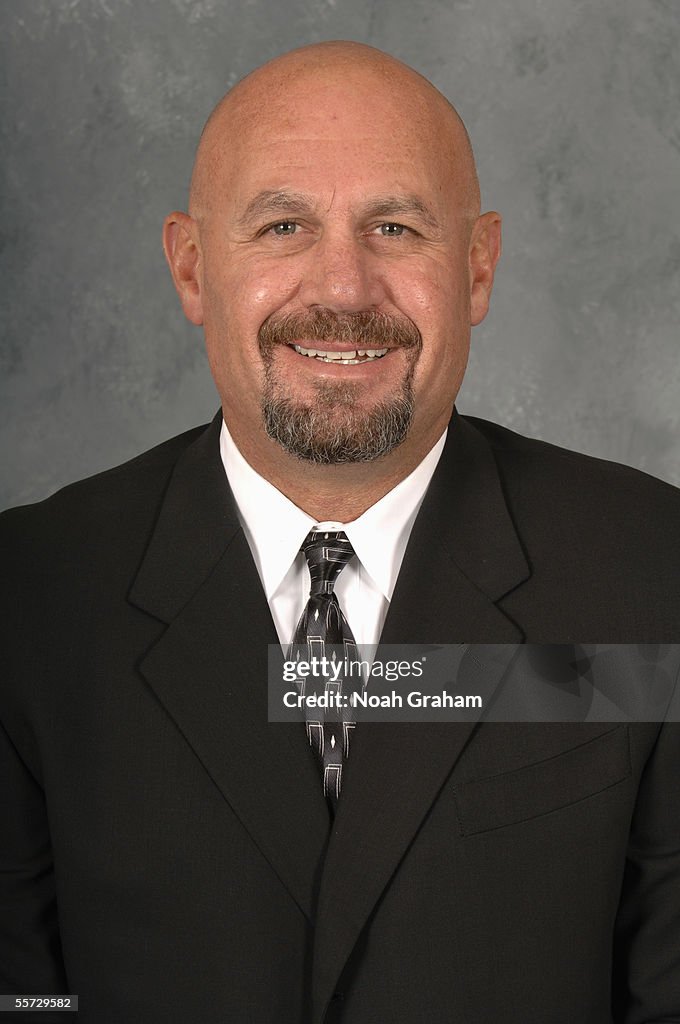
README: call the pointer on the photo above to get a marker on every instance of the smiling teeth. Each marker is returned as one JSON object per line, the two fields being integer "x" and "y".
{"x": 358, "y": 355}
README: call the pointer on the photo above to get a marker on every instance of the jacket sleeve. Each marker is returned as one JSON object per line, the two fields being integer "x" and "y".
{"x": 30, "y": 953}
{"x": 647, "y": 941}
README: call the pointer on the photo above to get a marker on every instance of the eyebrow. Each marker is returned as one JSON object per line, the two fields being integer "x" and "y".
{"x": 396, "y": 206}
{"x": 275, "y": 201}
{"x": 286, "y": 201}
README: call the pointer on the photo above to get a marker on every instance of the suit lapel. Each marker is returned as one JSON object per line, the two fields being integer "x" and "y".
{"x": 209, "y": 669}
{"x": 462, "y": 557}
{"x": 463, "y": 554}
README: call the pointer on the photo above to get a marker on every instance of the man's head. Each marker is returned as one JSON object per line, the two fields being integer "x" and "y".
{"x": 334, "y": 209}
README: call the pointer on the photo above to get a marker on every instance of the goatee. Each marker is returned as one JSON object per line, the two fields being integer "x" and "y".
{"x": 337, "y": 427}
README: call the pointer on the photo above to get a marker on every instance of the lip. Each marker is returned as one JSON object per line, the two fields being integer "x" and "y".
{"x": 324, "y": 346}
{"x": 304, "y": 364}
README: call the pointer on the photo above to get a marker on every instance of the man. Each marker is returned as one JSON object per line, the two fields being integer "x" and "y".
{"x": 168, "y": 854}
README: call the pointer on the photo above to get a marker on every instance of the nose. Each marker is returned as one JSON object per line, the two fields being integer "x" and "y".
{"x": 341, "y": 275}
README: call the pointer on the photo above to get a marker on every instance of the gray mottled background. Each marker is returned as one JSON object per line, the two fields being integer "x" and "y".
{"x": 574, "y": 111}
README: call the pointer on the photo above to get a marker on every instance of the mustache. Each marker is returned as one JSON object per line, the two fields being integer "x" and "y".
{"x": 364, "y": 329}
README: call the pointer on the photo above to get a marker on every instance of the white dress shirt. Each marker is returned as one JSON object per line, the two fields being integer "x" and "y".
{"x": 275, "y": 529}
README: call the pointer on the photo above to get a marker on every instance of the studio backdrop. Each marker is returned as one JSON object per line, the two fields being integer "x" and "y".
{"x": 574, "y": 113}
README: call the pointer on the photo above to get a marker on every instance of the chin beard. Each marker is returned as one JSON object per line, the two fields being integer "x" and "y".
{"x": 336, "y": 429}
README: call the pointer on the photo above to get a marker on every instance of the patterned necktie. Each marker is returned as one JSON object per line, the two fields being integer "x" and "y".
{"x": 321, "y": 632}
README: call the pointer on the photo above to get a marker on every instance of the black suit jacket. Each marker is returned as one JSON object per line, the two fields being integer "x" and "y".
{"x": 166, "y": 853}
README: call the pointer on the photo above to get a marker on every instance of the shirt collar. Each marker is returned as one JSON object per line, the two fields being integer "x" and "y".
{"x": 275, "y": 527}
{"x": 379, "y": 536}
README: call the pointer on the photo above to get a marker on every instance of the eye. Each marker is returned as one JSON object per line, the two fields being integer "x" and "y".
{"x": 391, "y": 230}
{"x": 284, "y": 227}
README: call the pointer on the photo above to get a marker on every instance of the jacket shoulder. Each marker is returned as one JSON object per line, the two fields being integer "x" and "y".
{"x": 587, "y": 502}
{"x": 544, "y": 458}
{"x": 122, "y": 500}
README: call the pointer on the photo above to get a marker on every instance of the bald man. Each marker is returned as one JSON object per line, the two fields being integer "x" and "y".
{"x": 169, "y": 855}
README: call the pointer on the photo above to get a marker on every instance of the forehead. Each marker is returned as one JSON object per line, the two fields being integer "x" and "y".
{"x": 363, "y": 134}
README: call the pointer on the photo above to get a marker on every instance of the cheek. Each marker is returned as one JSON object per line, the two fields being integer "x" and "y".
{"x": 439, "y": 306}
{"x": 433, "y": 287}
{"x": 245, "y": 288}
{"x": 259, "y": 289}
{"x": 237, "y": 300}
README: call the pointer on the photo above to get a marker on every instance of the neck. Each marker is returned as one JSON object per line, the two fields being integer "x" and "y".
{"x": 334, "y": 493}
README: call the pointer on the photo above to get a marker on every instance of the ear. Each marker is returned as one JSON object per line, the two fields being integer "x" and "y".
{"x": 182, "y": 251}
{"x": 485, "y": 251}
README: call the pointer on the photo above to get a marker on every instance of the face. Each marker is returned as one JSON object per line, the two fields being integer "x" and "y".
{"x": 336, "y": 272}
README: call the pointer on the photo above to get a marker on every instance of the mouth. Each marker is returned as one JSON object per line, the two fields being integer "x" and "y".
{"x": 348, "y": 357}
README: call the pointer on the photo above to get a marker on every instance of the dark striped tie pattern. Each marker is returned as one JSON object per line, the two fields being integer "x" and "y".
{"x": 323, "y": 631}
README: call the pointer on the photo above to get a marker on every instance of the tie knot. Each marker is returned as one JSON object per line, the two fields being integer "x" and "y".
{"x": 327, "y": 554}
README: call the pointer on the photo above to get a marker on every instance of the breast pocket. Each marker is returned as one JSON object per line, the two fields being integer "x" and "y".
{"x": 536, "y": 789}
